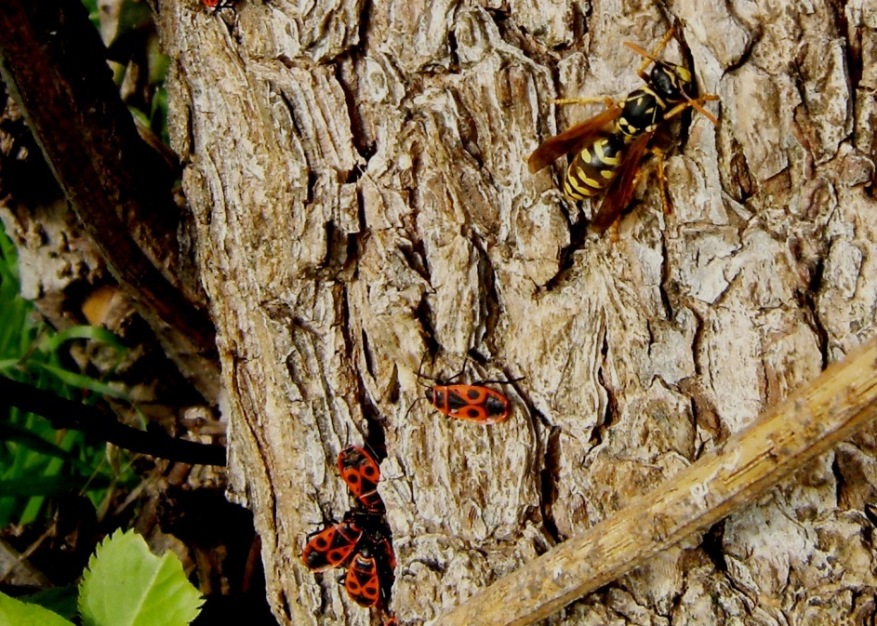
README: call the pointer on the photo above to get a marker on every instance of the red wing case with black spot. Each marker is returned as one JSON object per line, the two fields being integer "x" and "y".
{"x": 331, "y": 547}
{"x": 360, "y": 471}
{"x": 363, "y": 582}
{"x": 473, "y": 403}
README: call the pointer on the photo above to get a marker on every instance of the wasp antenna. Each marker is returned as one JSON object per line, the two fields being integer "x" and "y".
{"x": 606, "y": 100}
{"x": 696, "y": 105}
{"x": 664, "y": 40}
{"x": 653, "y": 55}
{"x": 642, "y": 51}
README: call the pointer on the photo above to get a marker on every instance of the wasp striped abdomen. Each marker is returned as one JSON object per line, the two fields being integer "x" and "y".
{"x": 594, "y": 167}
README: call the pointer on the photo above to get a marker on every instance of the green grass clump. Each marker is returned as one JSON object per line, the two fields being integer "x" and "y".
{"x": 36, "y": 460}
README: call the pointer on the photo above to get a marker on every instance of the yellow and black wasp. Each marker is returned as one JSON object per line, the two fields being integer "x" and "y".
{"x": 610, "y": 146}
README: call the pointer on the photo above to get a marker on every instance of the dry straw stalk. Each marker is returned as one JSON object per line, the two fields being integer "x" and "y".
{"x": 841, "y": 401}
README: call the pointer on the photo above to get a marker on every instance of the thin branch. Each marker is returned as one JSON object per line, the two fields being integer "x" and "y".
{"x": 809, "y": 422}
{"x": 65, "y": 413}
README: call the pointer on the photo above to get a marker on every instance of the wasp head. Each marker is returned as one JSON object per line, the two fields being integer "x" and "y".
{"x": 671, "y": 82}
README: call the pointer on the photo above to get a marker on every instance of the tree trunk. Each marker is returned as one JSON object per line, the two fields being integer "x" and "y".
{"x": 358, "y": 176}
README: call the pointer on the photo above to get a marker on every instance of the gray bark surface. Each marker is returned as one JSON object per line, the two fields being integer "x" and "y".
{"x": 358, "y": 176}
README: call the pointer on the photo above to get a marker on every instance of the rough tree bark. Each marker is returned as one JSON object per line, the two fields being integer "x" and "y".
{"x": 357, "y": 173}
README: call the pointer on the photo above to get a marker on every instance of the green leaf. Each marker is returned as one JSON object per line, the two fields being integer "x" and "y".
{"x": 31, "y": 440}
{"x": 81, "y": 381}
{"x": 61, "y": 600}
{"x": 53, "y": 342}
{"x": 20, "y": 613}
{"x": 133, "y": 16}
{"x": 6, "y": 364}
{"x": 127, "y": 585}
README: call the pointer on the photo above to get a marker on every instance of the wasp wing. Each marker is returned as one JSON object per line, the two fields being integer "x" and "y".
{"x": 621, "y": 189}
{"x": 571, "y": 139}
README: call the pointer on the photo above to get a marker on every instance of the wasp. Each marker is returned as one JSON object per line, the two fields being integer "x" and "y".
{"x": 610, "y": 146}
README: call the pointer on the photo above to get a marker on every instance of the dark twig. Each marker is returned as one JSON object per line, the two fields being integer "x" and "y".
{"x": 93, "y": 421}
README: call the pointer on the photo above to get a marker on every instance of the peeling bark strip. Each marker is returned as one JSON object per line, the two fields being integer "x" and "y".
{"x": 841, "y": 402}
{"x": 358, "y": 175}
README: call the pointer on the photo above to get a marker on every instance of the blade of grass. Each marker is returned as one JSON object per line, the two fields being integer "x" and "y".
{"x": 29, "y": 439}
{"x": 43, "y": 486}
{"x": 82, "y": 381}
{"x": 53, "y": 343}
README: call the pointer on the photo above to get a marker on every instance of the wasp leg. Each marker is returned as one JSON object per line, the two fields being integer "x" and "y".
{"x": 614, "y": 228}
{"x": 662, "y": 180}
{"x": 609, "y": 102}
{"x": 615, "y": 231}
{"x": 697, "y": 105}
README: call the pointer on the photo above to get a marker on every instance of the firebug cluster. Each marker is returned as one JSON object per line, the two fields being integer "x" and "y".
{"x": 360, "y": 542}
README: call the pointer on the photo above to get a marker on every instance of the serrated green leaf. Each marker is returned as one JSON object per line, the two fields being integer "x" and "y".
{"x": 18, "y": 613}
{"x": 126, "y": 585}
